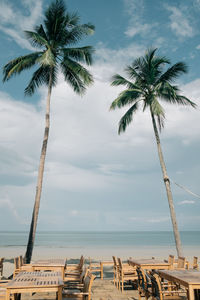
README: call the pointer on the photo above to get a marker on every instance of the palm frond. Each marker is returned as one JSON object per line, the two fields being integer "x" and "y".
{"x": 127, "y": 118}
{"x": 170, "y": 93}
{"x": 36, "y": 39}
{"x": 150, "y": 55}
{"x": 47, "y": 58}
{"x": 40, "y": 30}
{"x": 40, "y": 77}
{"x": 119, "y": 80}
{"x": 185, "y": 101}
{"x": 159, "y": 112}
{"x": 83, "y": 54}
{"x": 133, "y": 73}
{"x": 77, "y": 33}
{"x": 55, "y": 20}
{"x": 71, "y": 20}
{"x": 76, "y": 75}
{"x": 173, "y": 72}
{"x": 19, "y": 64}
{"x": 126, "y": 97}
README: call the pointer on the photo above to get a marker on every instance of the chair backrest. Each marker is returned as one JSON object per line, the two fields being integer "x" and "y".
{"x": 141, "y": 278}
{"x": 120, "y": 264}
{"x": 171, "y": 260}
{"x": 156, "y": 286}
{"x": 81, "y": 263}
{"x": 115, "y": 261}
{"x": 195, "y": 263}
{"x": 181, "y": 262}
{"x": 88, "y": 283}
{"x": 21, "y": 261}
{"x": 16, "y": 263}
{"x": 84, "y": 275}
{"x": 1, "y": 265}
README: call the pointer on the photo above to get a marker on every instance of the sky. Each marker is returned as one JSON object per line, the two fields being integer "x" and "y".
{"x": 95, "y": 179}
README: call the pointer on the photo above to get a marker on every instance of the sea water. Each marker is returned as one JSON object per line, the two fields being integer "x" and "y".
{"x": 99, "y": 244}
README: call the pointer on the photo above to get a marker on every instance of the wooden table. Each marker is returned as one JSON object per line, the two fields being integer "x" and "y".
{"x": 34, "y": 282}
{"x": 188, "y": 278}
{"x": 149, "y": 264}
{"x": 102, "y": 263}
{"x": 49, "y": 265}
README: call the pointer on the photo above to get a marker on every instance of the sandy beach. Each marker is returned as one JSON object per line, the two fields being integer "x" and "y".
{"x": 93, "y": 253}
{"x": 99, "y": 253}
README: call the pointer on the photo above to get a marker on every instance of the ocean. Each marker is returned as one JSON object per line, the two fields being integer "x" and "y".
{"x": 99, "y": 244}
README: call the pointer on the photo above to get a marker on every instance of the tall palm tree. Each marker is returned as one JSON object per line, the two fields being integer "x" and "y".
{"x": 148, "y": 84}
{"x": 55, "y": 52}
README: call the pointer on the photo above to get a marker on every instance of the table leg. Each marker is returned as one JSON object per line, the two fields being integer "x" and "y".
{"x": 7, "y": 294}
{"x": 60, "y": 293}
{"x": 63, "y": 273}
{"x": 101, "y": 267}
{"x": 191, "y": 293}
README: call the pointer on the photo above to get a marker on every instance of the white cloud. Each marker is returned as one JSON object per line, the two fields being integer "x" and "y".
{"x": 186, "y": 202}
{"x": 135, "y": 11}
{"x": 110, "y": 61}
{"x": 85, "y": 155}
{"x": 180, "y": 22}
{"x": 13, "y": 22}
{"x": 7, "y": 203}
{"x": 151, "y": 220}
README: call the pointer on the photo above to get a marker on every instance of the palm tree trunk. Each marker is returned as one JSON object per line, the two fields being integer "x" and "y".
{"x": 35, "y": 213}
{"x": 168, "y": 189}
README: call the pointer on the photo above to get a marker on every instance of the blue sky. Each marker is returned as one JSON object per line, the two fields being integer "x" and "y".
{"x": 95, "y": 179}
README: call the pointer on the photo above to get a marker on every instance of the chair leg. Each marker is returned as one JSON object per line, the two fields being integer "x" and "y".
{"x": 122, "y": 284}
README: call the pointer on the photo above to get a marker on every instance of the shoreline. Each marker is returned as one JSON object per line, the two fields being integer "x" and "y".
{"x": 99, "y": 253}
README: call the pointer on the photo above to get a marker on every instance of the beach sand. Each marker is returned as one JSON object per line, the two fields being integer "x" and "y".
{"x": 93, "y": 253}
{"x": 100, "y": 253}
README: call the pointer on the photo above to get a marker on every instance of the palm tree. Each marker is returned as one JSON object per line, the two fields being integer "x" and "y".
{"x": 55, "y": 52}
{"x": 148, "y": 84}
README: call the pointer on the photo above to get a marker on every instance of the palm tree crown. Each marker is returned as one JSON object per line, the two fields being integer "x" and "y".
{"x": 148, "y": 83}
{"x": 60, "y": 29}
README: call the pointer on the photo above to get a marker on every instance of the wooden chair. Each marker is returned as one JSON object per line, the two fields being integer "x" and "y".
{"x": 159, "y": 292}
{"x": 16, "y": 266}
{"x": 74, "y": 270}
{"x": 1, "y": 265}
{"x": 81, "y": 293}
{"x": 126, "y": 273}
{"x": 77, "y": 268}
{"x": 171, "y": 260}
{"x": 115, "y": 272}
{"x": 144, "y": 284}
{"x": 94, "y": 267}
{"x": 76, "y": 279}
{"x": 181, "y": 263}
{"x": 195, "y": 263}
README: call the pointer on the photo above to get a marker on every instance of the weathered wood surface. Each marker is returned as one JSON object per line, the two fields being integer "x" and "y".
{"x": 188, "y": 278}
{"x": 49, "y": 265}
{"x": 39, "y": 279}
{"x": 49, "y": 262}
{"x": 149, "y": 264}
{"x": 30, "y": 282}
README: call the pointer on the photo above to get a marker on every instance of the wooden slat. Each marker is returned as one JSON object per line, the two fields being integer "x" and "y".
{"x": 49, "y": 262}
{"x": 32, "y": 279}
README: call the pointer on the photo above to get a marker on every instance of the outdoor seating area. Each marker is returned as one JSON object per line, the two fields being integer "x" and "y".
{"x": 149, "y": 278}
